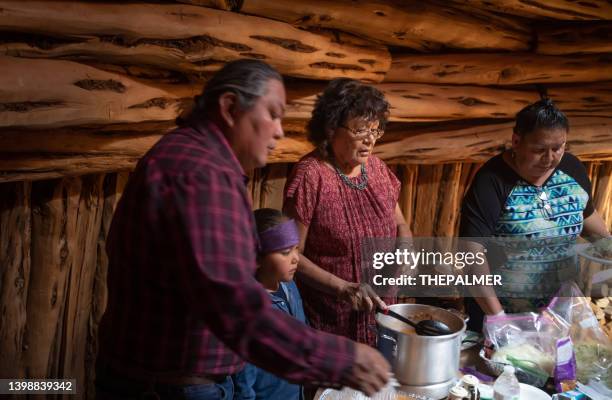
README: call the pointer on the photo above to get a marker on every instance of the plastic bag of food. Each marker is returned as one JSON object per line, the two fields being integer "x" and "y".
{"x": 592, "y": 347}
{"x": 527, "y": 337}
{"x": 565, "y": 366}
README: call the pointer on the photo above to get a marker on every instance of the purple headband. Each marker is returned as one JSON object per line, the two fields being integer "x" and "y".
{"x": 281, "y": 236}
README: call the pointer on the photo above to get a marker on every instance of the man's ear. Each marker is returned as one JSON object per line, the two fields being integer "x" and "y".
{"x": 516, "y": 140}
{"x": 228, "y": 103}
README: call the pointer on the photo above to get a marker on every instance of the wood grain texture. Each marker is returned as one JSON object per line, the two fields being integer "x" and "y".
{"x": 52, "y": 93}
{"x": 499, "y": 69}
{"x": 15, "y": 267}
{"x": 595, "y": 37}
{"x": 414, "y": 24}
{"x": 39, "y": 155}
{"x": 183, "y": 37}
{"x": 553, "y": 9}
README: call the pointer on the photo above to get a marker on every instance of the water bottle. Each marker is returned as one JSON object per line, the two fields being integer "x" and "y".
{"x": 506, "y": 387}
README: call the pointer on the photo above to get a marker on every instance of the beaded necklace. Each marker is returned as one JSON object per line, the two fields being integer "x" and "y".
{"x": 363, "y": 182}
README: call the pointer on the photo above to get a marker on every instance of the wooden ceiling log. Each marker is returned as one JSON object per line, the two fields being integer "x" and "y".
{"x": 573, "y": 39}
{"x": 44, "y": 155}
{"x": 413, "y": 102}
{"x": 52, "y": 93}
{"x": 414, "y": 24}
{"x": 227, "y": 5}
{"x": 181, "y": 37}
{"x": 548, "y": 9}
{"x": 589, "y": 139}
{"x": 499, "y": 69}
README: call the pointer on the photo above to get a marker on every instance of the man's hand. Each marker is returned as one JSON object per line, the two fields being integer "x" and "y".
{"x": 361, "y": 296}
{"x": 370, "y": 372}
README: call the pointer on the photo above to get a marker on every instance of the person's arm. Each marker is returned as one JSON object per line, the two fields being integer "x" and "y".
{"x": 483, "y": 295}
{"x": 479, "y": 211}
{"x": 207, "y": 219}
{"x": 360, "y": 296}
{"x": 594, "y": 227}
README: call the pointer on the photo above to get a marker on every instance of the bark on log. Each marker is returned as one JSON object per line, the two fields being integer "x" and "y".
{"x": 499, "y": 69}
{"x": 185, "y": 38}
{"x": 413, "y": 24}
{"x": 15, "y": 229}
{"x": 591, "y": 38}
{"x": 45, "y": 93}
{"x": 555, "y": 9}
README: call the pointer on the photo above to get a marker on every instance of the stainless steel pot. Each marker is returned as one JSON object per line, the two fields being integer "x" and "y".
{"x": 420, "y": 360}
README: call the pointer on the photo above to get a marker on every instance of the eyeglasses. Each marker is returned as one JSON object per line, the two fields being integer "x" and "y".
{"x": 362, "y": 133}
{"x": 547, "y": 211}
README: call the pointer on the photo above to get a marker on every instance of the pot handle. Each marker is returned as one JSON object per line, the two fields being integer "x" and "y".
{"x": 391, "y": 339}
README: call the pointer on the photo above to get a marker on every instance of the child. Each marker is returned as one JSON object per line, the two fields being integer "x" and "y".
{"x": 277, "y": 261}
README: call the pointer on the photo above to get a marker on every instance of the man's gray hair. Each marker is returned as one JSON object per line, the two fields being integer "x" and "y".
{"x": 247, "y": 79}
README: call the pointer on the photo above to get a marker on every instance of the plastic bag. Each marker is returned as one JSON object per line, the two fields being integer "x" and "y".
{"x": 592, "y": 346}
{"x": 528, "y": 337}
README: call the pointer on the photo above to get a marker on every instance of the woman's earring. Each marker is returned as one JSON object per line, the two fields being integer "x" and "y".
{"x": 513, "y": 154}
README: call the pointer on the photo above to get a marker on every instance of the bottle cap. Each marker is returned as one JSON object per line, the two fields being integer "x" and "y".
{"x": 470, "y": 380}
{"x": 459, "y": 392}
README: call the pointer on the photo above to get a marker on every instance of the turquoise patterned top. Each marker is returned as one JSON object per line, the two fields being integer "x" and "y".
{"x": 553, "y": 211}
{"x": 537, "y": 227}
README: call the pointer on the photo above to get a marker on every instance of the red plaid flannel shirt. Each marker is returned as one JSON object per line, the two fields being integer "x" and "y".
{"x": 182, "y": 292}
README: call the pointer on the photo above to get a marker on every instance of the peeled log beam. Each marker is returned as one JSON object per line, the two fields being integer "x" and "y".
{"x": 591, "y": 38}
{"x": 556, "y": 9}
{"x": 413, "y": 24}
{"x": 414, "y": 102}
{"x": 45, "y": 93}
{"x": 182, "y": 37}
{"x": 41, "y": 155}
{"x": 52, "y": 93}
{"x": 35, "y": 155}
{"x": 499, "y": 69}
{"x": 420, "y": 102}
{"x": 219, "y": 4}
{"x": 589, "y": 139}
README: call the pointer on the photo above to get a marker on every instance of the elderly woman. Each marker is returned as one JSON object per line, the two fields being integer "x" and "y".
{"x": 535, "y": 193}
{"x": 340, "y": 194}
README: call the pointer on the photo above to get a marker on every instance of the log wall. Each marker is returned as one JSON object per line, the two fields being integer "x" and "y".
{"x": 53, "y": 265}
{"x": 87, "y": 87}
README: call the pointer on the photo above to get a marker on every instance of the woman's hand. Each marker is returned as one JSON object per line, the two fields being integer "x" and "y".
{"x": 361, "y": 296}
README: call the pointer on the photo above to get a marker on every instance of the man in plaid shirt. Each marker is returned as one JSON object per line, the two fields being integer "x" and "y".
{"x": 184, "y": 308}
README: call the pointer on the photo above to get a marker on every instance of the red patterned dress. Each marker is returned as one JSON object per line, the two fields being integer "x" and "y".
{"x": 338, "y": 217}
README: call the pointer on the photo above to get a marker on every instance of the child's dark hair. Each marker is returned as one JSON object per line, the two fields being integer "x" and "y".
{"x": 542, "y": 114}
{"x": 266, "y": 218}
